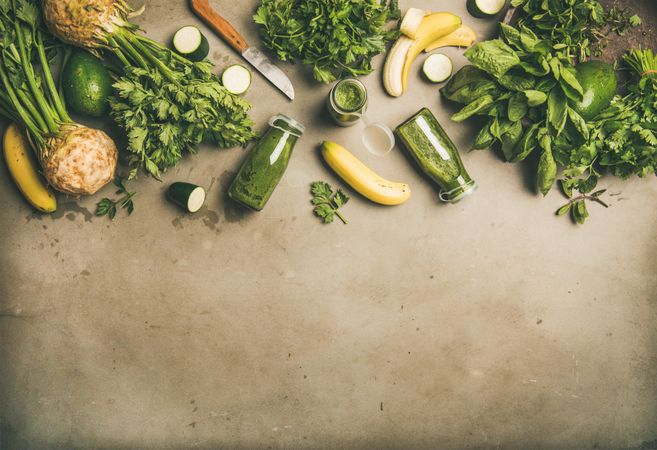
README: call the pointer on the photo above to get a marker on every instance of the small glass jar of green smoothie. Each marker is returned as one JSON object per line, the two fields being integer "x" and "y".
{"x": 266, "y": 163}
{"x": 437, "y": 155}
{"x": 347, "y": 102}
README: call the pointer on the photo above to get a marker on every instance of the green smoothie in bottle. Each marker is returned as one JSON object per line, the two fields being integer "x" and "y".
{"x": 266, "y": 163}
{"x": 436, "y": 155}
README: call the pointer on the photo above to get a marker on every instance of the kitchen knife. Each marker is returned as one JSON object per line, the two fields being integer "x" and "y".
{"x": 254, "y": 56}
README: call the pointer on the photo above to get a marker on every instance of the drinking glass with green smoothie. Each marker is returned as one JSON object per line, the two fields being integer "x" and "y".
{"x": 347, "y": 103}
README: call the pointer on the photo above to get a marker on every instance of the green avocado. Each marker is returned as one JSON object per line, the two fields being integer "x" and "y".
{"x": 598, "y": 80}
{"x": 87, "y": 85}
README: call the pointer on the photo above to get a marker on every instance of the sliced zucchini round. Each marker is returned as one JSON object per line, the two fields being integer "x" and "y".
{"x": 191, "y": 43}
{"x": 188, "y": 196}
{"x": 237, "y": 79}
{"x": 485, "y": 8}
{"x": 437, "y": 67}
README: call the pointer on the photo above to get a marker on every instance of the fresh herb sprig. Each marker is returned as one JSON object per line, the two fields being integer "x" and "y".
{"x": 109, "y": 207}
{"x": 327, "y": 202}
{"x": 579, "y": 192}
{"x": 338, "y": 38}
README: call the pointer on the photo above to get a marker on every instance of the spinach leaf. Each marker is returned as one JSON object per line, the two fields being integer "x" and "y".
{"x": 473, "y": 108}
{"x": 484, "y": 138}
{"x": 535, "y": 98}
{"x": 494, "y": 57}
{"x": 557, "y": 112}
{"x": 511, "y": 134}
{"x": 547, "y": 167}
{"x": 518, "y": 107}
{"x": 527, "y": 144}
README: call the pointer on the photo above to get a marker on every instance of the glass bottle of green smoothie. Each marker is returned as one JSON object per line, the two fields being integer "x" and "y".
{"x": 437, "y": 155}
{"x": 266, "y": 163}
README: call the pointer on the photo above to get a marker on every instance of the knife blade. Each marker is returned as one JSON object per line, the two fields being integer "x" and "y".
{"x": 252, "y": 55}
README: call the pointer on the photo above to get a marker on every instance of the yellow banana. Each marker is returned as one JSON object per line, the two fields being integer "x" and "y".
{"x": 23, "y": 168}
{"x": 421, "y": 30}
{"x": 463, "y": 37}
{"x": 433, "y": 27}
{"x": 362, "y": 178}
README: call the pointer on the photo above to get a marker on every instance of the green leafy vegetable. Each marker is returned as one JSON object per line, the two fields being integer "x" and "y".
{"x": 29, "y": 96}
{"x": 166, "y": 104}
{"x": 494, "y": 57}
{"x": 167, "y": 117}
{"x": 576, "y": 28}
{"x": 337, "y": 37}
{"x": 109, "y": 207}
{"x": 326, "y": 202}
{"x": 576, "y": 205}
{"x": 626, "y": 134}
{"x": 522, "y": 87}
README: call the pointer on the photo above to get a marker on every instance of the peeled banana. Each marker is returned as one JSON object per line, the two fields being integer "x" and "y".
{"x": 23, "y": 168}
{"x": 363, "y": 179}
{"x": 420, "y": 31}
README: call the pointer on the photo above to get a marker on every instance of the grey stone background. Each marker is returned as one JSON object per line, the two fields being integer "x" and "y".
{"x": 487, "y": 324}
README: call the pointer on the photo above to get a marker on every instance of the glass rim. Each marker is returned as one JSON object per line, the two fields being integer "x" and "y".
{"x": 353, "y": 81}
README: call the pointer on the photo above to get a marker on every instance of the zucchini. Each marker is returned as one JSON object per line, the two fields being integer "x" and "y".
{"x": 188, "y": 196}
{"x": 485, "y": 8}
{"x": 437, "y": 67}
{"x": 190, "y": 43}
{"x": 237, "y": 79}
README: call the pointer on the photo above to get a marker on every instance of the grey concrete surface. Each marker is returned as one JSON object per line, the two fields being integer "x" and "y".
{"x": 487, "y": 324}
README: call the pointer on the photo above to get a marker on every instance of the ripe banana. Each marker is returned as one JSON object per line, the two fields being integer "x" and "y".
{"x": 463, "y": 37}
{"x": 433, "y": 27}
{"x": 411, "y": 22}
{"x": 23, "y": 168}
{"x": 425, "y": 29}
{"x": 362, "y": 178}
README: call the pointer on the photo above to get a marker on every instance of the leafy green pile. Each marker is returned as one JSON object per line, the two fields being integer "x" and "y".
{"x": 166, "y": 104}
{"x": 522, "y": 88}
{"x": 626, "y": 134}
{"x": 579, "y": 28}
{"x": 623, "y": 139}
{"x": 524, "y": 83}
{"x": 169, "y": 105}
{"x": 337, "y": 37}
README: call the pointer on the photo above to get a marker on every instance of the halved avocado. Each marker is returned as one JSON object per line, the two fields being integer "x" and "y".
{"x": 598, "y": 80}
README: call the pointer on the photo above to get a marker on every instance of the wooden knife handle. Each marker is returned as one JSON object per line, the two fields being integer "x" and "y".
{"x": 220, "y": 25}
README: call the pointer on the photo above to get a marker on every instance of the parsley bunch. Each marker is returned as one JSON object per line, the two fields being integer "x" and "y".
{"x": 337, "y": 37}
{"x": 169, "y": 105}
